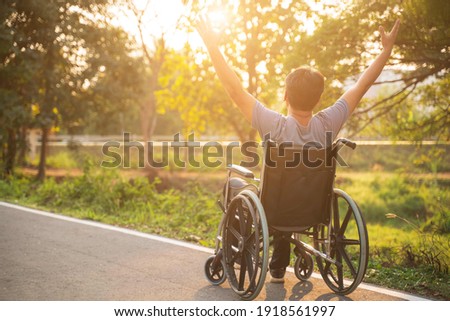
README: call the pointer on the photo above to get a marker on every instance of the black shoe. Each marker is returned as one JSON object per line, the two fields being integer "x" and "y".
{"x": 277, "y": 275}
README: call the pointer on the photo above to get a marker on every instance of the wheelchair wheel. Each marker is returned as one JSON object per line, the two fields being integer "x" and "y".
{"x": 245, "y": 245}
{"x": 348, "y": 246}
{"x": 215, "y": 270}
{"x": 304, "y": 266}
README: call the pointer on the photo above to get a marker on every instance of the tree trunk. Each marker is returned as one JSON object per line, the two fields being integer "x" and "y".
{"x": 49, "y": 101}
{"x": 43, "y": 154}
{"x": 148, "y": 108}
{"x": 10, "y": 152}
{"x": 148, "y": 117}
{"x": 23, "y": 146}
{"x": 148, "y": 124}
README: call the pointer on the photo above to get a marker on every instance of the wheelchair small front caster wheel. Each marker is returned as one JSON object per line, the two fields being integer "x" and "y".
{"x": 304, "y": 266}
{"x": 215, "y": 270}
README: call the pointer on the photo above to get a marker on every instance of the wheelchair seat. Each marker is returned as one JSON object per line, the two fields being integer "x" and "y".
{"x": 297, "y": 186}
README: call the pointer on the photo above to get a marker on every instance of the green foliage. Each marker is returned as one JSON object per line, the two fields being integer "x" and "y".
{"x": 421, "y": 280}
{"x": 190, "y": 91}
{"x": 15, "y": 188}
{"x": 423, "y": 202}
{"x": 410, "y": 260}
{"x": 63, "y": 160}
{"x": 426, "y": 114}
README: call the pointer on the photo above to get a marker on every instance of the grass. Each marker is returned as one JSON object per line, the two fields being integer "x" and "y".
{"x": 401, "y": 256}
{"x": 61, "y": 160}
{"x": 398, "y": 258}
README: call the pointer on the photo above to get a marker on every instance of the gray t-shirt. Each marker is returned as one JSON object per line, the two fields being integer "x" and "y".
{"x": 283, "y": 128}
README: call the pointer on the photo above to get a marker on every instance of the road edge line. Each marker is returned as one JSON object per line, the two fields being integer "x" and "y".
{"x": 108, "y": 227}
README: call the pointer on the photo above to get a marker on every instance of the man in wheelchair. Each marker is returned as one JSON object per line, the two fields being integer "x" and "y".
{"x": 303, "y": 90}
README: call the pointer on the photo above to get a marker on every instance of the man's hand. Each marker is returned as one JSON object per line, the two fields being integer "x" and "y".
{"x": 388, "y": 39}
{"x": 205, "y": 29}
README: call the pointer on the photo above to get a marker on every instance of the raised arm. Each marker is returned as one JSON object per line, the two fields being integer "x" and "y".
{"x": 357, "y": 91}
{"x": 227, "y": 76}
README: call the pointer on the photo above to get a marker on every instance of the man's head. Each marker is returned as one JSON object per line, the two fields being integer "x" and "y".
{"x": 304, "y": 86}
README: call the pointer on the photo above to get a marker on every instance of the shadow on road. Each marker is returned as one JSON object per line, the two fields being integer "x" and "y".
{"x": 333, "y": 297}
{"x": 271, "y": 292}
{"x": 215, "y": 293}
{"x": 300, "y": 290}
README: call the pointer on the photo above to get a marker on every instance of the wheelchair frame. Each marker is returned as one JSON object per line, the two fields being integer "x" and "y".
{"x": 242, "y": 241}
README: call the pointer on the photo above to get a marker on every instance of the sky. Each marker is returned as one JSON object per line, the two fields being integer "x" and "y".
{"x": 161, "y": 17}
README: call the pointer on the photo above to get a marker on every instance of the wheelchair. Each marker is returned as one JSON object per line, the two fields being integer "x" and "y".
{"x": 295, "y": 194}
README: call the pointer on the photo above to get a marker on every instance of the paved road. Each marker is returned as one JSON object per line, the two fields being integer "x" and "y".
{"x": 49, "y": 257}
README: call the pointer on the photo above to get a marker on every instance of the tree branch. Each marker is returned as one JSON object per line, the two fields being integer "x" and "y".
{"x": 386, "y": 109}
{"x": 364, "y": 111}
{"x": 420, "y": 76}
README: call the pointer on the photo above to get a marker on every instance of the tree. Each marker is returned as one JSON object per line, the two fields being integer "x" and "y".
{"x": 16, "y": 88}
{"x": 113, "y": 85}
{"x": 57, "y": 55}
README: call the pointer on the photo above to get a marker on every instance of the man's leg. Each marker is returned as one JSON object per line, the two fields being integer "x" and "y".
{"x": 280, "y": 257}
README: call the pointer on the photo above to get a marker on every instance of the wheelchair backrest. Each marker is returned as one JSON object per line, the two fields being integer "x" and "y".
{"x": 297, "y": 185}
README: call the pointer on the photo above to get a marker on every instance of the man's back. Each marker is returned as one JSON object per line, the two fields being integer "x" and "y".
{"x": 287, "y": 129}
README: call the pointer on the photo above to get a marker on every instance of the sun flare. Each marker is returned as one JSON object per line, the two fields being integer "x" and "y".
{"x": 218, "y": 19}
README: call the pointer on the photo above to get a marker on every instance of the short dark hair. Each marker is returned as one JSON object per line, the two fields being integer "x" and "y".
{"x": 304, "y": 86}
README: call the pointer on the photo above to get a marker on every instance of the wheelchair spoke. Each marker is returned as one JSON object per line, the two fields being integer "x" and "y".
{"x": 350, "y": 242}
{"x": 241, "y": 218}
{"x": 250, "y": 249}
{"x": 250, "y": 241}
{"x": 330, "y": 273}
{"x": 336, "y": 223}
{"x": 250, "y": 223}
{"x": 234, "y": 232}
{"x": 250, "y": 238}
{"x": 217, "y": 272}
{"x": 234, "y": 258}
{"x": 242, "y": 272}
{"x": 348, "y": 261}
{"x": 344, "y": 224}
{"x": 340, "y": 270}
{"x": 334, "y": 278}
{"x": 250, "y": 268}
{"x": 328, "y": 264}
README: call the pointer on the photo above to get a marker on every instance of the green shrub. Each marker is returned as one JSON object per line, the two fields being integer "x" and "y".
{"x": 424, "y": 202}
{"x": 14, "y": 187}
{"x": 63, "y": 160}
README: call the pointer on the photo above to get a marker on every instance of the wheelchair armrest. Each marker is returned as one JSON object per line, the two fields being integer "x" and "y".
{"x": 241, "y": 171}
